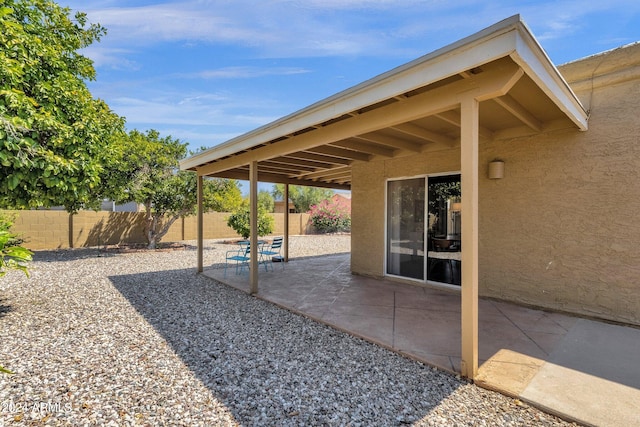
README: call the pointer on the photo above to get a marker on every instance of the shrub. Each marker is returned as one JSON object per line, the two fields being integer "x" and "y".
{"x": 239, "y": 221}
{"x": 6, "y": 222}
{"x": 12, "y": 256}
{"x": 329, "y": 216}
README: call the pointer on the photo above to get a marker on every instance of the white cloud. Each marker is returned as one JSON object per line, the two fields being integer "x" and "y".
{"x": 246, "y": 72}
{"x": 200, "y": 120}
{"x": 188, "y": 111}
{"x": 140, "y": 25}
{"x": 196, "y": 136}
{"x": 272, "y": 29}
{"x": 562, "y": 19}
{"x": 197, "y": 99}
{"x": 115, "y": 58}
{"x": 294, "y": 28}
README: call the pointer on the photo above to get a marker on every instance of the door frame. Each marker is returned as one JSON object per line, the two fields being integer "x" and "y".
{"x": 425, "y": 280}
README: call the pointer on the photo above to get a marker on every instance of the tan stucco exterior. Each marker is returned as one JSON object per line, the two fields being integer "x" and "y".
{"x": 560, "y": 231}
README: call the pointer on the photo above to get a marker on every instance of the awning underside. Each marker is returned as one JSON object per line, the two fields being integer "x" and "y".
{"x": 412, "y": 109}
{"x": 523, "y": 110}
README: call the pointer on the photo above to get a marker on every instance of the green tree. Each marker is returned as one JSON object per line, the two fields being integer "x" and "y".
{"x": 221, "y": 195}
{"x": 53, "y": 133}
{"x": 265, "y": 199}
{"x": 143, "y": 168}
{"x": 303, "y": 197}
{"x": 240, "y": 221}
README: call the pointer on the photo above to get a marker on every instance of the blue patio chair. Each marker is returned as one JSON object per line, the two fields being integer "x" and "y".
{"x": 272, "y": 254}
{"x": 240, "y": 257}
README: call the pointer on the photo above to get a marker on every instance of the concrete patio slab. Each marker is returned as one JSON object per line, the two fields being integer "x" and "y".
{"x": 595, "y": 363}
{"x": 579, "y": 369}
{"x": 509, "y": 372}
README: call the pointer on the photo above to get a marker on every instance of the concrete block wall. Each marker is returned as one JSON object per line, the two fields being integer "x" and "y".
{"x": 89, "y": 228}
{"x": 42, "y": 229}
{"x": 46, "y": 230}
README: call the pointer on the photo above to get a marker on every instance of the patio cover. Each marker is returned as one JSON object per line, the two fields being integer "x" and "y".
{"x": 496, "y": 84}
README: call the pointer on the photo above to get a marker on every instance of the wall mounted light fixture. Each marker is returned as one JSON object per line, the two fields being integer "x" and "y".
{"x": 496, "y": 169}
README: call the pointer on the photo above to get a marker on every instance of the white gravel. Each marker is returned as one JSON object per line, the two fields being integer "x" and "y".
{"x": 123, "y": 339}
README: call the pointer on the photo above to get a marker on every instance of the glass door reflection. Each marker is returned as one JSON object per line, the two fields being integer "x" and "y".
{"x": 444, "y": 229}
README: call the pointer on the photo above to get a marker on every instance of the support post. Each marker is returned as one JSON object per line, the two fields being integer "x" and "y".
{"x": 469, "y": 213}
{"x": 253, "y": 221}
{"x": 200, "y": 224}
{"x": 286, "y": 223}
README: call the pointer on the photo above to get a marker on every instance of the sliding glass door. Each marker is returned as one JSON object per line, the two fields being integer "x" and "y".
{"x": 424, "y": 233}
{"x": 405, "y": 228}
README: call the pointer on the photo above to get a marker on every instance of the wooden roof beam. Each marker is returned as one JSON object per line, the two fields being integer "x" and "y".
{"x": 340, "y": 177}
{"x": 299, "y": 162}
{"x": 397, "y": 143}
{"x": 273, "y": 171}
{"x": 341, "y": 181}
{"x": 364, "y": 147}
{"x": 514, "y": 107}
{"x": 289, "y": 166}
{"x": 453, "y": 118}
{"x": 305, "y": 155}
{"x": 276, "y": 171}
{"x": 340, "y": 152}
{"x": 281, "y": 179}
{"x": 422, "y": 133}
{"x": 326, "y": 173}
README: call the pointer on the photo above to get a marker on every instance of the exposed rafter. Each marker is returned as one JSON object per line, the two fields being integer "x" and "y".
{"x": 397, "y": 143}
{"x": 300, "y": 162}
{"x": 453, "y": 118}
{"x": 340, "y": 171}
{"x": 422, "y": 133}
{"x": 280, "y": 179}
{"x": 290, "y": 167}
{"x": 328, "y": 160}
{"x": 273, "y": 171}
{"x": 514, "y": 107}
{"x": 340, "y": 152}
{"x": 364, "y": 147}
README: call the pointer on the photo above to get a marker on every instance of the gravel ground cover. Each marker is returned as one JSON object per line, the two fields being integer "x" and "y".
{"x": 118, "y": 339}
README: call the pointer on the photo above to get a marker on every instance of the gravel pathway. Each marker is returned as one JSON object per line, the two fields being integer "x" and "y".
{"x": 122, "y": 339}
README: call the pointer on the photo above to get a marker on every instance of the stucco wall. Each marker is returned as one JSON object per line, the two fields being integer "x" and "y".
{"x": 572, "y": 199}
{"x": 368, "y": 202}
{"x": 561, "y": 229}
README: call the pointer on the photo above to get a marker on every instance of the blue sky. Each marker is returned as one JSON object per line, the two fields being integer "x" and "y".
{"x": 206, "y": 71}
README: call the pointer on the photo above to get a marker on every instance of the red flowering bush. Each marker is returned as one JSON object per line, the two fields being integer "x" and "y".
{"x": 330, "y": 216}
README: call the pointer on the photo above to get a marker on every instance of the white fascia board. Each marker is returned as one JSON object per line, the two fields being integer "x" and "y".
{"x": 497, "y": 41}
{"x": 489, "y": 44}
{"x": 535, "y": 62}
